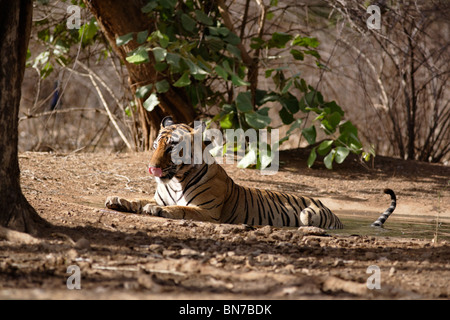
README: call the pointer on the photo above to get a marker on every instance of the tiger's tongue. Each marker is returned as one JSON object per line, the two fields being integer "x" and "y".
{"x": 157, "y": 172}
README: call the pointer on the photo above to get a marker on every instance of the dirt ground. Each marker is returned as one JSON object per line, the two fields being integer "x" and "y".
{"x": 129, "y": 256}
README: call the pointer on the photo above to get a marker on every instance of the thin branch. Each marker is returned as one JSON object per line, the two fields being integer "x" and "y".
{"x": 111, "y": 117}
{"x": 48, "y": 113}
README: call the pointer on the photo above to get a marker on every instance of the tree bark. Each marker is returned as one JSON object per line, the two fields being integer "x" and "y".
{"x": 117, "y": 18}
{"x": 15, "y": 26}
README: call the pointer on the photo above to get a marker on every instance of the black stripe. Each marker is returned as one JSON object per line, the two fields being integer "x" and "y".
{"x": 270, "y": 215}
{"x": 195, "y": 179}
{"x": 204, "y": 203}
{"x": 297, "y": 222}
{"x": 233, "y": 211}
{"x": 260, "y": 221}
{"x": 261, "y": 206}
{"x": 246, "y": 205}
{"x": 284, "y": 211}
{"x": 160, "y": 198}
{"x": 206, "y": 189}
{"x": 169, "y": 193}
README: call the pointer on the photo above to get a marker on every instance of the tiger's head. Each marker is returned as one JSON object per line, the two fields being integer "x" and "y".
{"x": 174, "y": 149}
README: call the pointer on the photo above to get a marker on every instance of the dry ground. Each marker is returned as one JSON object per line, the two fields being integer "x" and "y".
{"x": 124, "y": 255}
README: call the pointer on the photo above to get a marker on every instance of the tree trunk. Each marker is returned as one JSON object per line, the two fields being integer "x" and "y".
{"x": 117, "y": 18}
{"x": 15, "y": 26}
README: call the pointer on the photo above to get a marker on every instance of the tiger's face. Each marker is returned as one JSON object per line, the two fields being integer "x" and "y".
{"x": 169, "y": 156}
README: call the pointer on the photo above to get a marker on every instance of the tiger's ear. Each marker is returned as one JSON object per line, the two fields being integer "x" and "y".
{"x": 167, "y": 121}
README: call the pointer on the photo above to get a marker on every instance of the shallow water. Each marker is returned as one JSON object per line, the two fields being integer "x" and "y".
{"x": 403, "y": 227}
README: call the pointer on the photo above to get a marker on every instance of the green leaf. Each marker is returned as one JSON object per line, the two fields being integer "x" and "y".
{"x": 279, "y": 40}
{"x": 183, "y": 81}
{"x": 286, "y": 88}
{"x": 142, "y": 36}
{"x": 290, "y": 102}
{"x": 160, "y": 54}
{"x": 286, "y": 116}
{"x": 194, "y": 68}
{"x": 203, "y": 18}
{"x": 347, "y": 127}
{"x": 313, "y": 53}
{"x": 173, "y": 59}
{"x": 312, "y": 158}
{"x": 227, "y": 121}
{"x": 46, "y": 70}
{"x": 257, "y": 43}
{"x": 244, "y": 102}
{"x": 232, "y": 39}
{"x": 150, "y": 6}
{"x": 138, "y": 56}
{"x": 294, "y": 126}
{"x": 341, "y": 154}
{"x": 269, "y": 72}
{"x": 328, "y": 160}
{"x": 334, "y": 107}
{"x": 122, "y": 40}
{"x": 268, "y": 97}
{"x": 187, "y": 22}
{"x": 162, "y": 86}
{"x": 305, "y": 42}
{"x": 324, "y": 147}
{"x": 265, "y": 158}
{"x": 330, "y": 122}
{"x": 41, "y": 59}
{"x": 256, "y": 120}
{"x": 143, "y": 91}
{"x": 160, "y": 66}
{"x": 168, "y": 4}
{"x": 303, "y": 86}
{"x": 312, "y": 99}
{"x": 219, "y": 31}
{"x": 163, "y": 39}
{"x": 88, "y": 31}
{"x": 151, "y": 102}
{"x": 234, "y": 50}
{"x": 310, "y": 134}
{"x": 249, "y": 159}
{"x": 221, "y": 72}
{"x": 297, "y": 54}
{"x": 238, "y": 81}
{"x": 61, "y": 47}
{"x": 228, "y": 108}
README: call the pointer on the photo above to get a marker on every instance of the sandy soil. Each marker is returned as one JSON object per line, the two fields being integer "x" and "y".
{"x": 128, "y": 256}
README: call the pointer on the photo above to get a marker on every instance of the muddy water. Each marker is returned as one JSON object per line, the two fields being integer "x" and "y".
{"x": 404, "y": 227}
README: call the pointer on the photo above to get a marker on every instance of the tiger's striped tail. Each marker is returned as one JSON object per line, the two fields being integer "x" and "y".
{"x": 382, "y": 219}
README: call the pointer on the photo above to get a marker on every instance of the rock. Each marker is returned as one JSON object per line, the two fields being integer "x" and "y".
{"x": 392, "y": 271}
{"x": 312, "y": 242}
{"x": 313, "y": 231}
{"x": 371, "y": 255}
{"x": 82, "y": 244}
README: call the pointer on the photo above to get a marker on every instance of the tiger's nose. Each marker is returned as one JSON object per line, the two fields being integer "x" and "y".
{"x": 157, "y": 172}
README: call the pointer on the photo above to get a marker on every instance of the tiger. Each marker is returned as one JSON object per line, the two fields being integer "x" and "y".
{"x": 205, "y": 192}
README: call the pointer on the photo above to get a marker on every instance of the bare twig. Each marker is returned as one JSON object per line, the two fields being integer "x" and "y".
{"x": 111, "y": 117}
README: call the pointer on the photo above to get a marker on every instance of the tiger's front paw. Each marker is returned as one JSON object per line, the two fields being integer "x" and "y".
{"x": 115, "y": 203}
{"x": 153, "y": 210}
{"x": 121, "y": 204}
